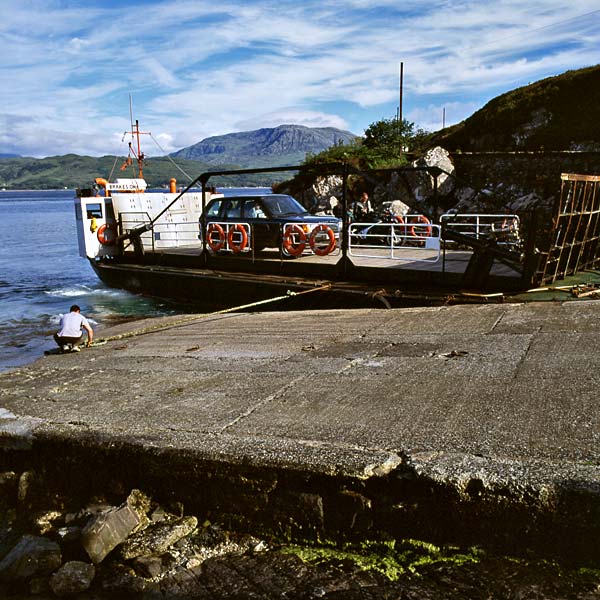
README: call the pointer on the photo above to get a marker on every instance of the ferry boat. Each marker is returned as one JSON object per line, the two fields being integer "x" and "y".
{"x": 202, "y": 247}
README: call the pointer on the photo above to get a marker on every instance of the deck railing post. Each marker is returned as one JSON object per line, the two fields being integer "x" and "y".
{"x": 203, "y": 222}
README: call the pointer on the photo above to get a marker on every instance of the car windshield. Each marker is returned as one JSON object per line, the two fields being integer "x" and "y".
{"x": 283, "y": 206}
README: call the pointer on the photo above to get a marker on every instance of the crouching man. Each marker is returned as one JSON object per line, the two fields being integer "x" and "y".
{"x": 70, "y": 334}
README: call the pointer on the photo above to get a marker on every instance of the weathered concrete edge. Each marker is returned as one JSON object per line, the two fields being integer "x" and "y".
{"x": 298, "y": 489}
{"x": 319, "y": 458}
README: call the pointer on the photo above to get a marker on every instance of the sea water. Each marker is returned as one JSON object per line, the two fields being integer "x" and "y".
{"x": 42, "y": 275}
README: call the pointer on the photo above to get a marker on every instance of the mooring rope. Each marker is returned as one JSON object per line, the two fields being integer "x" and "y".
{"x": 186, "y": 320}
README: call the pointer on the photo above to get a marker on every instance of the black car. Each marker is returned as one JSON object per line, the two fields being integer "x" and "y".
{"x": 238, "y": 223}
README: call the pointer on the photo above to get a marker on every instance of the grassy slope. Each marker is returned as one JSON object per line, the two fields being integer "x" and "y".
{"x": 73, "y": 171}
{"x": 567, "y": 108}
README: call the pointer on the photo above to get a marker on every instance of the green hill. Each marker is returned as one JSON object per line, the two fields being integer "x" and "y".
{"x": 557, "y": 113}
{"x": 72, "y": 171}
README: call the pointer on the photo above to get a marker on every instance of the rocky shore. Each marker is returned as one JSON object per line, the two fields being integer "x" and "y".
{"x": 53, "y": 547}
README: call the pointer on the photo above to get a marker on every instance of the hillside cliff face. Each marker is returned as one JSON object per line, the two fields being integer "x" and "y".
{"x": 557, "y": 113}
{"x": 283, "y": 145}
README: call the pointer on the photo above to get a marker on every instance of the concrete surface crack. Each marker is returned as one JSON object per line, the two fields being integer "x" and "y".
{"x": 497, "y": 322}
{"x": 525, "y": 353}
{"x": 264, "y": 401}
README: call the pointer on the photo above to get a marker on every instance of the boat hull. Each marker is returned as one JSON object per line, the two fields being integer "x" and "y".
{"x": 211, "y": 290}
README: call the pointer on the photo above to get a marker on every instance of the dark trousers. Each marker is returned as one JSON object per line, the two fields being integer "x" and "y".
{"x": 63, "y": 341}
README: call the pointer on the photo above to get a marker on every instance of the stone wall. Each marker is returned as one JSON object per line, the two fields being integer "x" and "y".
{"x": 531, "y": 172}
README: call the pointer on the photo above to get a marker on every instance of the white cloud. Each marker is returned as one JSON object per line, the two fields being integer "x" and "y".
{"x": 294, "y": 116}
{"x": 198, "y": 68}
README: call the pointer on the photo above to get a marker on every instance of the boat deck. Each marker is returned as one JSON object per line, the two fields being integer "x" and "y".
{"x": 403, "y": 259}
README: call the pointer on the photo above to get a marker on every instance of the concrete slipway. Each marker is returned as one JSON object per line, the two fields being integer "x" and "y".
{"x": 466, "y": 424}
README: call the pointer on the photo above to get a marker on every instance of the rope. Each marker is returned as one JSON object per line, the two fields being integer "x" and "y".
{"x": 113, "y": 168}
{"x": 186, "y": 320}
{"x": 172, "y": 161}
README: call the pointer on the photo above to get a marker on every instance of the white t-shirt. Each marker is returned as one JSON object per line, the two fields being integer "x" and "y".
{"x": 71, "y": 324}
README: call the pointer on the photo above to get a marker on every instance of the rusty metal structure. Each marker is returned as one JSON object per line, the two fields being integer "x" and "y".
{"x": 572, "y": 242}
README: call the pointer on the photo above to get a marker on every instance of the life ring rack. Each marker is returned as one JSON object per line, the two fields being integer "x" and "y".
{"x": 234, "y": 246}
{"x": 215, "y": 237}
{"x": 317, "y": 247}
{"x": 106, "y": 234}
{"x": 294, "y": 240}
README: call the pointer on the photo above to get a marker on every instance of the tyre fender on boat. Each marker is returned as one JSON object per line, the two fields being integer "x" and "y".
{"x": 237, "y": 247}
{"x": 322, "y": 250}
{"x": 425, "y": 230}
{"x": 106, "y": 235}
{"x": 217, "y": 242}
{"x": 294, "y": 240}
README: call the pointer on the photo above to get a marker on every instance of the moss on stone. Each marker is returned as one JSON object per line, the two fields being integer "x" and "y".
{"x": 392, "y": 558}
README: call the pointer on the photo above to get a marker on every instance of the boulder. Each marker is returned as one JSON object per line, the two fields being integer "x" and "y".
{"x": 152, "y": 566}
{"x": 158, "y": 537}
{"x": 32, "y": 556}
{"x": 325, "y": 187}
{"x": 107, "y": 530}
{"x": 72, "y": 578}
{"x": 399, "y": 208}
{"x": 424, "y": 184}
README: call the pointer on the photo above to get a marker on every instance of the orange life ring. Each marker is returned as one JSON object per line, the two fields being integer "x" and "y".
{"x": 426, "y": 228}
{"x": 237, "y": 248}
{"x": 294, "y": 240}
{"x": 106, "y": 235}
{"x": 312, "y": 240}
{"x": 217, "y": 243}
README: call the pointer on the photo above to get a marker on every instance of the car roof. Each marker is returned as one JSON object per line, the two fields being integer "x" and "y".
{"x": 254, "y": 196}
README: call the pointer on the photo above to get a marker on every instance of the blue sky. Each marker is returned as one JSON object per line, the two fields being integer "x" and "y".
{"x": 197, "y": 68}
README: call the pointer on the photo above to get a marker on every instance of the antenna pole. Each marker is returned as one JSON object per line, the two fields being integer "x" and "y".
{"x": 400, "y": 109}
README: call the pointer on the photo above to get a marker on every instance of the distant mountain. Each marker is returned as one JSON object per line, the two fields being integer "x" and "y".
{"x": 267, "y": 147}
{"x": 5, "y": 155}
{"x": 557, "y": 113}
{"x": 71, "y": 171}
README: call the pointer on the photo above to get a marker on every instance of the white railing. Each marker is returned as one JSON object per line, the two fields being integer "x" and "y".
{"x": 409, "y": 241}
{"x": 504, "y": 228}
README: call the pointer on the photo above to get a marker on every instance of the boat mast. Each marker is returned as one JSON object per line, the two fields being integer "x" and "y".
{"x": 135, "y": 131}
{"x": 139, "y": 154}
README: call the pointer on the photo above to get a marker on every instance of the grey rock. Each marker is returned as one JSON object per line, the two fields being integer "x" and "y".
{"x": 26, "y": 487}
{"x": 68, "y": 534}
{"x": 31, "y": 557}
{"x": 107, "y": 530}
{"x": 46, "y": 521}
{"x": 72, "y": 578}
{"x": 158, "y": 538}
{"x": 153, "y": 565}
{"x": 121, "y": 579}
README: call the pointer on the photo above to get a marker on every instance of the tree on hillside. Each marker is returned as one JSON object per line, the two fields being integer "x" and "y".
{"x": 383, "y": 145}
{"x": 391, "y": 138}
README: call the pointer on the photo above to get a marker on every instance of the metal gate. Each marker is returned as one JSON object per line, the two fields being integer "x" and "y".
{"x": 573, "y": 243}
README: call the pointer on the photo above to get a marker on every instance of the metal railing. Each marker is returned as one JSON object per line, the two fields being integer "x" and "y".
{"x": 320, "y": 239}
{"x": 409, "y": 241}
{"x": 502, "y": 228}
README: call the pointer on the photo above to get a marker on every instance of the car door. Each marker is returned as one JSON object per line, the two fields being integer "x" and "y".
{"x": 263, "y": 231}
